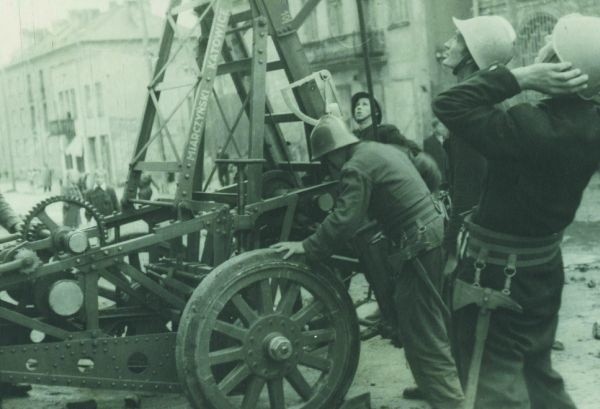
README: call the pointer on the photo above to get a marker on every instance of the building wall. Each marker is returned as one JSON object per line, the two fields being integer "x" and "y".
{"x": 534, "y": 19}
{"x": 405, "y": 71}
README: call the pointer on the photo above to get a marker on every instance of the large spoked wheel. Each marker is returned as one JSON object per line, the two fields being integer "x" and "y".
{"x": 262, "y": 332}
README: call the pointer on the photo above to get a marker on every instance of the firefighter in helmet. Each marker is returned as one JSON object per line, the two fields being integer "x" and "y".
{"x": 383, "y": 184}
{"x": 540, "y": 159}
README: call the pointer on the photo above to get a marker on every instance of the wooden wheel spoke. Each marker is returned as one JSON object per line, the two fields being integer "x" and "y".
{"x": 248, "y": 314}
{"x": 226, "y": 355}
{"x": 307, "y": 313}
{"x": 266, "y": 297}
{"x": 234, "y": 378}
{"x": 286, "y": 304}
{"x": 253, "y": 391}
{"x": 46, "y": 220}
{"x": 318, "y": 337}
{"x": 230, "y": 330}
{"x": 276, "y": 395}
{"x": 316, "y": 362}
{"x": 299, "y": 383}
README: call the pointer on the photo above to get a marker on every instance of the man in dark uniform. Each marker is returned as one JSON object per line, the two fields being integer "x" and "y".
{"x": 540, "y": 159}
{"x": 382, "y": 183}
{"x": 478, "y": 42}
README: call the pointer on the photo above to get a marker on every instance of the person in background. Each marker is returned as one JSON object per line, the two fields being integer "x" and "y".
{"x": 145, "y": 187}
{"x": 434, "y": 146}
{"x": 46, "y": 178}
{"x": 102, "y": 196}
{"x": 70, "y": 188}
{"x": 223, "y": 168}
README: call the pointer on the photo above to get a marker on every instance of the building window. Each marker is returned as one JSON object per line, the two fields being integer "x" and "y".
{"x": 99, "y": 100}
{"x": 32, "y": 115}
{"x": 73, "y": 103}
{"x": 532, "y": 37}
{"x": 335, "y": 17}
{"x": 29, "y": 89}
{"x": 89, "y": 110}
{"x": 62, "y": 103}
{"x": 69, "y": 161}
{"x": 42, "y": 87}
{"x": 45, "y": 112}
{"x": 398, "y": 15}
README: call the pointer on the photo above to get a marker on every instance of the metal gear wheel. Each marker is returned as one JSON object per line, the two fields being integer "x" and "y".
{"x": 31, "y": 229}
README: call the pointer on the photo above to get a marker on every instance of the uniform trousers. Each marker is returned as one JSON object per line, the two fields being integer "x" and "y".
{"x": 516, "y": 370}
{"x": 424, "y": 331}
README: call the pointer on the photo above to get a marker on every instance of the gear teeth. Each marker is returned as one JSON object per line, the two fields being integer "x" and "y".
{"x": 27, "y": 234}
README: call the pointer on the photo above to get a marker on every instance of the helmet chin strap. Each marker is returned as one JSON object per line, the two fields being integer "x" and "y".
{"x": 466, "y": 60}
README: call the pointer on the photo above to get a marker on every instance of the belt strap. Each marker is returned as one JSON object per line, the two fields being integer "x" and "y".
{"x": 508, "y": 250}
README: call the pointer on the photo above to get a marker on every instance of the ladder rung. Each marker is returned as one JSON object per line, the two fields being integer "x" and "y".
{"x": 282, "y": 118}
{"x": 158, "y": 166}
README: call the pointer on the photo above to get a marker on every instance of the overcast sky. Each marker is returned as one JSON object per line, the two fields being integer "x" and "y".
{"x": 15, "y": 14}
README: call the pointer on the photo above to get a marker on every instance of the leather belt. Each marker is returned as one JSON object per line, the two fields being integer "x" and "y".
{"x": 490, "y": 247}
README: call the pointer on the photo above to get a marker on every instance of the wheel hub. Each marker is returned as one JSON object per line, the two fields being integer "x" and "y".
{"x": 279, "y": 347}
{"x": 272, "y": 346}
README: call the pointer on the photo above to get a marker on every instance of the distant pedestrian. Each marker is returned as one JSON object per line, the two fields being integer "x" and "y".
{"x": 223, "y": 168}
{"x": 102, "y": 196}
{"x": 31, "y": 178}
{"x": 47, "y": 178}
{"x": 70, "y": 188}
{"x": 145, "y": 187}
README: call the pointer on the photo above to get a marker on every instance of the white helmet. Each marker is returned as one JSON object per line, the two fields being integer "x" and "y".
{"x": 576, "y": 39}
{"x": 490, "y": 39}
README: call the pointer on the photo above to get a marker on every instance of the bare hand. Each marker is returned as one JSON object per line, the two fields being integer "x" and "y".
{"x": 551, "y": 78}
{"x": 290, "y": 247}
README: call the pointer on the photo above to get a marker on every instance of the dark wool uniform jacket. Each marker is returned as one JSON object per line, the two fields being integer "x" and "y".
{"x": 540, "y": 158}
{"x": 376, "y": 181}
{"x": 387, "y": 133}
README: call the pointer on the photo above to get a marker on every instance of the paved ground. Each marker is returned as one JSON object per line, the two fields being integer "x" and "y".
{"x": 382, "y": 368}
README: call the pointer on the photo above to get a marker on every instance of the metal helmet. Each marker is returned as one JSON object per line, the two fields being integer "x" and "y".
{"x": 490, "y": 39}
{"x": 330, "y": 134}
{"x": 576, "y": 39}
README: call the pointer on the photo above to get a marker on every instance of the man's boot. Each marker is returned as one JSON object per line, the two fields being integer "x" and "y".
{"x": 413, "y": 393}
